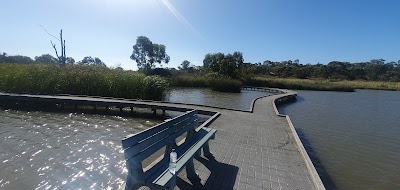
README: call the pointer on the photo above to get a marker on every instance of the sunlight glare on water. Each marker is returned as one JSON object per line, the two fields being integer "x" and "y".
{"x": 41, "y": 150}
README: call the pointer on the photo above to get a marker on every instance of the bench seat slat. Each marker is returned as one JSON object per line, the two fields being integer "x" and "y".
{"x": 186, "y": 154}
{"x": 146, "y": 143}
{"x": 133, "y": 139}
{"x": 156, "y": 142}
{"x": 164, "y": 163}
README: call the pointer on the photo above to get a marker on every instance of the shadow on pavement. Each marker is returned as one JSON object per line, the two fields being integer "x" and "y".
{"x": 223, "y": 176}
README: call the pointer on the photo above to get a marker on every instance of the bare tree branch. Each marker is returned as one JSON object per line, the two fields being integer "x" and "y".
{"x": 55, "y": 49}
{"x": 63, "y": 57}
{"x": 48, "y": 32}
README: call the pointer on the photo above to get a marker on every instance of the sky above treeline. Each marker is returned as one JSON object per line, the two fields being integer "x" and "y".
{"x": 313, "y": 31}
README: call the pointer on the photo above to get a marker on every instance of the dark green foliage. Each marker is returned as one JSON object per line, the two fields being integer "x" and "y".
{"x": 46, "y": 58}
{"x": 79, "y": 80}
{"x": 185, "y": 66}
{"x": 190, "y": 81}
{"x": 228, "y": 65}
{"x": 159, "y": 71}
{"x": 154, "y": 86}
{"x": 298, "y": 84}
{"x": 69, "y": 60}
{"x": 4, "y": 58}
{"x": 226, "y": 85}
{"x": 146, "y": 53}
{"x": 374, "y": 70}
{"x": 212, "y": 80}
{"x": 88, "y": 60}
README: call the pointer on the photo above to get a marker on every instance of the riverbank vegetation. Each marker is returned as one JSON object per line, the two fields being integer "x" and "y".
{"x": 92, "y": 80}
{"x": 220, "y": 71}
{"x": 299, "y": 84}
{"x": 335, "y": 76}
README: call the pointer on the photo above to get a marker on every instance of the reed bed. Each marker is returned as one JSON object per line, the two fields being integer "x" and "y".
{"x": 375, "y": 85}
{"x": 216, "y": 83}
{"x": 79, "y": 80}
{"x": 299, "y": 84}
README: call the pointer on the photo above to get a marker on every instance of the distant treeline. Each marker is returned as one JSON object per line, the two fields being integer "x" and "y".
{"x": 232, "y": 65}
{"x": 374, "y": 70}
{"x": 48, "y": 59}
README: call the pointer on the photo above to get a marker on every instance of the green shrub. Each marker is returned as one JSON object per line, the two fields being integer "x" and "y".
{"x": 298, "y": 84}
{"x": 154, "y": 87}
{"x": 225, "y": 85}
{"x": 190, "y": 81}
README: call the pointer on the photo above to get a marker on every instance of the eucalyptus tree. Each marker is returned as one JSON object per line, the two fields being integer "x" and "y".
{"x": 146, "y": 53}
{"x": 46, "y": 58}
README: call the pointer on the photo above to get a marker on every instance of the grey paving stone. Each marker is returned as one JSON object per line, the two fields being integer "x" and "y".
{"x": 253, "y": 151}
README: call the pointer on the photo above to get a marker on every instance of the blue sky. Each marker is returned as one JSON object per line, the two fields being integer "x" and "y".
{"x": 309, "y": 30}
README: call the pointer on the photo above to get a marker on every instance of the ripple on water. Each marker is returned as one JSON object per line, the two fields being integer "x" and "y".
{"x": 67, "y": 151}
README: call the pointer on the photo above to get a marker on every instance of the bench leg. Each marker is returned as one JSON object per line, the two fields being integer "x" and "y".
{"x": 131, "y": 183}
{"x": 190, "y": 169}
{"x": 206, "y": 150}
{"x": 172, "y": 184}
{"x": 197, "y": 154}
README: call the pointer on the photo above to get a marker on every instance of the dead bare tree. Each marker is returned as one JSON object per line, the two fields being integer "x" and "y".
{"x": 63, "y": 57}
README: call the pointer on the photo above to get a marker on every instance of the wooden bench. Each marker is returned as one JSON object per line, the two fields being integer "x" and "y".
{"x": 140, "y": 146}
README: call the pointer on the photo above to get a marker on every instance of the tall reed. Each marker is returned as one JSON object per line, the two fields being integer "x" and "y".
{"x": 79, "y": 80}
{"x": 216, "y": 83}
{"x": 299, "y": 84}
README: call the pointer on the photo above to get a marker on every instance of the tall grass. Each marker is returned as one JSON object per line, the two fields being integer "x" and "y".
{"x": 215, "y": 82}
{"x": 190, "y": 81}
{"x": 320, "y": 84}
{"x": 299, "y": 84}
{"x": 376, "y": 85}
{"x": 226, "y": 85}
{"x": 79, "y": 80}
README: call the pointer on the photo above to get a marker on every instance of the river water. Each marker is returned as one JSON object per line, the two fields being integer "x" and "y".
{"x": 352, "y": 138}
{"x": 200, "y": 96}
{"x": 42, "y": 150}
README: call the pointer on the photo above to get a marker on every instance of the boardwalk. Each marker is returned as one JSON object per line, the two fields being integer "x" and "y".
{"x": 253, "y": 150}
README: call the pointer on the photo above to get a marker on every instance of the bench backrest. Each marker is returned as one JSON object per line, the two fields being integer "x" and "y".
{"x": 145, "y": 143}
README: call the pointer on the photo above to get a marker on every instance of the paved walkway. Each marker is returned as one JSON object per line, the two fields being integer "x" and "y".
{"x": 252, "y": 151}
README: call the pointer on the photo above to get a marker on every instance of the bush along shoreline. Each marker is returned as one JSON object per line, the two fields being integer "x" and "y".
{"x": 225, "y": 84}
{"x": 94, "y": 80}
{"x": 234, "y": 85}
{"x": 299, "y": 84}
{"x": 80, "y": 80}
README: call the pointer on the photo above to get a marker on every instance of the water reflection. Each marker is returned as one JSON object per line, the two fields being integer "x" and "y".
{"x": 354, "y": 135}
{"x": 63, "y": 151}
{"x": 202, "y": 96}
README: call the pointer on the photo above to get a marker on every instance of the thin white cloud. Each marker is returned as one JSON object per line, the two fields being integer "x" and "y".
{"x": 179, "y": 16}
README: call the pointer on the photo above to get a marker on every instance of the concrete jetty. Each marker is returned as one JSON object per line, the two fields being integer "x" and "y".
{"x": 254, "y": 149}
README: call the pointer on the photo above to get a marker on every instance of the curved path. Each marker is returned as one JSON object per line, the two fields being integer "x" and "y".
{"x": 253, "y": 150}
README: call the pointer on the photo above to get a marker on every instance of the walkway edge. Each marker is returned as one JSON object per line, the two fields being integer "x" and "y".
{"x": 310, "y": 166}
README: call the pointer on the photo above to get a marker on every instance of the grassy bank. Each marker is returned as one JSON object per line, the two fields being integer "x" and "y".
{"x": 213, "y": 82}
{"x": 286, "y": 83}
{"x": 299, "y": 84}
{"x": 322, "y": 85}
{"x": 196, "y": 81}
{"x": 233, "y": 85}
{"x": 375, "y": 85}
{"x": 226, "y": 85}
{"x": 79, "y": 80}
